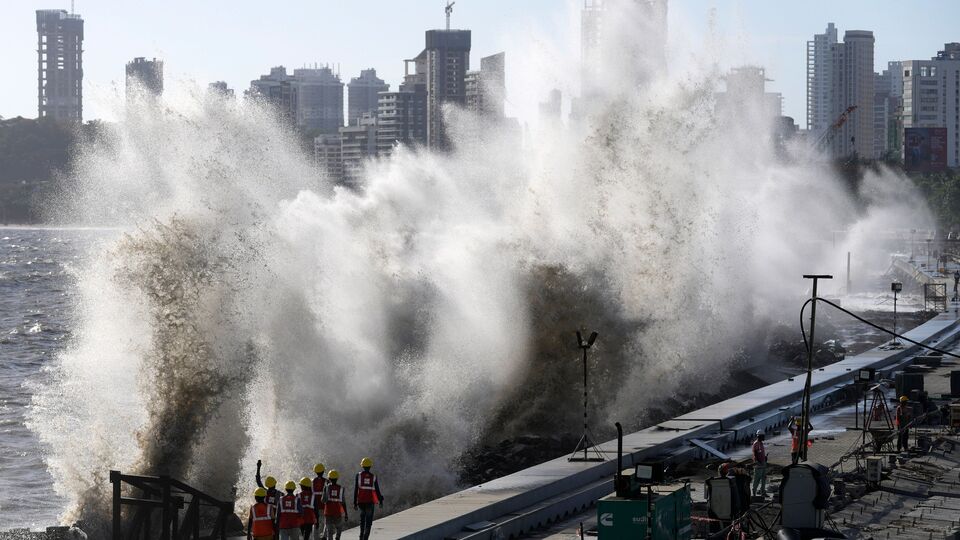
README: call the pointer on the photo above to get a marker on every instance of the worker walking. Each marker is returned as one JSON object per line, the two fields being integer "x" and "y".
{"x": 759, "y": 466}
{"x": 289, "y": 514}
{"x": 366, "y": 494}
{"x": 902, "y": 423}
{"x": 270, "y": 484}
{"x": 334, "y": 509}
{"x": 319, "y": 482}
{"x": 795, "y": 451}
{"x": 260, "y": 523}
{"x": 308, "y": 507}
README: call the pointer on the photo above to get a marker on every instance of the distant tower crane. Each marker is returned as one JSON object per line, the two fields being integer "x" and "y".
{"x": 449, "y": 11}
{"x": 831, "y": 132}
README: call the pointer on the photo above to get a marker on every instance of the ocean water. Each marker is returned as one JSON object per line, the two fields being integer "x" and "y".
{"x": 35, "y": 324}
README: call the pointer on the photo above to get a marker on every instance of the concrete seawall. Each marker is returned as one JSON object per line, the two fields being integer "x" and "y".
{"x": 518, "y": 503}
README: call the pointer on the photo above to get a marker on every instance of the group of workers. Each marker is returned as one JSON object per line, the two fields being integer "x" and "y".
{"x": 293, "y": 515}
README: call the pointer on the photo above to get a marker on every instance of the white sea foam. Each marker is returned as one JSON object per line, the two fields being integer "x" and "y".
{"x": 252, "y": 310}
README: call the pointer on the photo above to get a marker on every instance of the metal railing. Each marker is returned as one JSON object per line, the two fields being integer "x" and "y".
{"x": 169, "y": 497}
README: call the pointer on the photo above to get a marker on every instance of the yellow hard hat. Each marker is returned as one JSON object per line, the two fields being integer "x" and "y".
{"x": 270, "y": 482}
{"x": 333, "y": 475}
{"x": 290, "y": 485}
{"x": 318, "y": 468}
{"x": 306, "y": 482}
{"x": 366, "y": 462}
{"x": 259, "y": 492}
{"x": 904, "y": 399}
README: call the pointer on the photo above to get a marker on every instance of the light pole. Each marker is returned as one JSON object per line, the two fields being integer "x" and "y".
{"x": 585, "y": 443}
{"x": 896, "y": 287}
{"x": 805, "y": 415}
{"x": 928, "y": 252}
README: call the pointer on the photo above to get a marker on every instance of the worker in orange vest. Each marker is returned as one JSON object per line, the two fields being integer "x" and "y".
{"x": 270, "y": 484}
{"x": 319, "y": 482}
{"x": 366, "y": 494}
{"x": 334, "y": 509}
{"x": 289, "y": 513}
{"x": 902, "y": 423}
{"x": 308, "y": 505}
{"x": 794, "y": 428}
{"x": 260, "y": 522}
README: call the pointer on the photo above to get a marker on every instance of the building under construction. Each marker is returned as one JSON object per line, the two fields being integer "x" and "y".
{"x": 59, "y": 65}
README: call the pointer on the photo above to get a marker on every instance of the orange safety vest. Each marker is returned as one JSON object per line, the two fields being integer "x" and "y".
{"x": 289, "y": 514}
{"x": 902, "y": 412}
{"x": 262, "y": 520}
{"x": 367, "y": 488}
{"x": 318, "y": 484}
{"x": 334, "y": 504}
{"x": 272, "y": 498}
{"x": 306, "y": 504}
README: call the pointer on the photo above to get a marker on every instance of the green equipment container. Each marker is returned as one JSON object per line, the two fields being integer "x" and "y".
{"x": 626, "y": 519}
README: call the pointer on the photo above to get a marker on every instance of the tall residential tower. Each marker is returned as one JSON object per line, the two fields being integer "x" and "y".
{"x": 362, "y": 95}
{"x": 144, "y": 76}
{"x": 819, "y": 73}
{"x": 59, "y": 65}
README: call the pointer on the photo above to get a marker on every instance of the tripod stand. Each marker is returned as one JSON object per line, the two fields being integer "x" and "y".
{"x": 586, "y": 444}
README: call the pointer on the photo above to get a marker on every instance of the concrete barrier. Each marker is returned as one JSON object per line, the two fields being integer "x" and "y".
{"x": 527, "y": 500}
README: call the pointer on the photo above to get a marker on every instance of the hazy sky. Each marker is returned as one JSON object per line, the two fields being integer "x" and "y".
{"x": 236, "y": 41}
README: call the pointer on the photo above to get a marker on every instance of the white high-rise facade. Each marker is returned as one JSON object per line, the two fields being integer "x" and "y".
{"x": 931, "y": 96}
{"x": 853, "y": 84}
{"x": 819, "y": 85}
{"x": 840, "y": 76}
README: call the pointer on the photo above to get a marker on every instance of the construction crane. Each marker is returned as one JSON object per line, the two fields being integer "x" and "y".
{"x": 831, "y": 132}
{"x": 449, "y": 11}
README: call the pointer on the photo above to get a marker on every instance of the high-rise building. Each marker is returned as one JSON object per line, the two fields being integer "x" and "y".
{"x": 357, "y": 144}
{"x": 444, "y": 64}
{"x": 887, "y": 111}
{"x": 853, "y": 84}
{"x": 401, "y": 118}
{"x": 840, "y": 76}
{"x": 319, "y": 99}
{"x": 486, "y": 88}
{"x": 551, "y": 109}
{"x": 144, "y": 75}
{"x": 931, "y": 96}
{"x": 746, "y": 95}
{"x": 221, "y": 89}
{"x": 623, "y": 44}
{"x": 276, "y": 89}
{"x": 59, "y": 65}
{"x": 819, "y": 80}
{"x": 328, "y": 157}
{"x": 363, "y": 94}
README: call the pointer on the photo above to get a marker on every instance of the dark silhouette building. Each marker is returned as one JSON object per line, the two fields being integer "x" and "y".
{"x": 144, "y": 76}
{"x": 59, "y": 65}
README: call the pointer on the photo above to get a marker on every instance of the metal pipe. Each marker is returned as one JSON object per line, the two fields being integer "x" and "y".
{"x": 618, "y": 479}
{"x": 805, "y": 415}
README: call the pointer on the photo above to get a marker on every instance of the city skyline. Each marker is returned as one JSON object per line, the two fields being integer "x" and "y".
{"x": 777, "y": 41}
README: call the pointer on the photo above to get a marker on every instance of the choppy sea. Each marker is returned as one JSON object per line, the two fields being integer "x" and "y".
{"x": 36, "y": 285}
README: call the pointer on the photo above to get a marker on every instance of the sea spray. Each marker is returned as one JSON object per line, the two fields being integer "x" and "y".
{"x": 253, "y": 310}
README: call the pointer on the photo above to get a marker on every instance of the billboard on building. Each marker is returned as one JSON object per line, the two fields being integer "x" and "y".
{"x": 925, "y": 149}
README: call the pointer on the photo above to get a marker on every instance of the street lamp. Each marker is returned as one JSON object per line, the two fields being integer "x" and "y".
{"x": 586, "y": 443}
{"x": 896, "y": 287}
{"x": 805, "y": 415}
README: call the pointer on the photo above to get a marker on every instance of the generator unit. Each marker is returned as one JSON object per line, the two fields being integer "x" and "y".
{"x": 669, "y": 506}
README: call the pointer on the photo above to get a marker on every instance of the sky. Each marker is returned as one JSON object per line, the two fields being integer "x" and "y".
{"x": 207, "y": 40}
